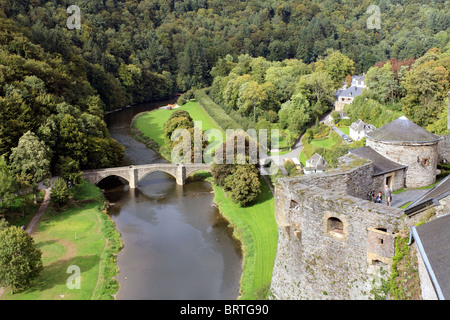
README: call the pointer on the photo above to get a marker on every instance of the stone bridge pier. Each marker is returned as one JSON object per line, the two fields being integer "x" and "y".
{"x": 135, "y": 173}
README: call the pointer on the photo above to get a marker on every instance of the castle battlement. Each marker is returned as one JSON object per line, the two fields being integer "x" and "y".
{"x": 332, "y": 243}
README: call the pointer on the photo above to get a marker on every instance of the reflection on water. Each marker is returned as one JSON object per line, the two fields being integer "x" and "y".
{"x": 176, "y": 246}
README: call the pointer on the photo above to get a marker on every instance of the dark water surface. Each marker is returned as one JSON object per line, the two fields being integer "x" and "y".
{"x": 176, "y": 246}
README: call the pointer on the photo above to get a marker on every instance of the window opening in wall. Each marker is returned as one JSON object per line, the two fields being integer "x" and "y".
{"x": 377, "y": 263}
{"x": 294, "y": 205}
{"x": 335, "y": 225}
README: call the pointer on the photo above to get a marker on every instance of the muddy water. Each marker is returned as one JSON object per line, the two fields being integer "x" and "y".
{"x": 176, "y": 246}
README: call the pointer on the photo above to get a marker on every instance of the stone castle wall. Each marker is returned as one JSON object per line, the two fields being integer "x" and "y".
{"x": 421, "y": 160}
{"x": 331, "y": 245}
{"x": 398, "y": 178}
{"x": 444, "y": 147}
{"x": 351, "y": 180}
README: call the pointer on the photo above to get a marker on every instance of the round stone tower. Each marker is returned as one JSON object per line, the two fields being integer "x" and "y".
{"x": 406, "y": 143}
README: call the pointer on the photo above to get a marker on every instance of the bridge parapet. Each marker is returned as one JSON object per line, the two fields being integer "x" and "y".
{"x": 135, "y": 173}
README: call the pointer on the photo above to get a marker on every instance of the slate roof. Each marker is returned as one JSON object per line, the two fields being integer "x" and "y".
{"x": 359, "y": 125}
{"x": 316, "y": 162}
{"x": 433, "y": 242}
{"x": 349, "y": 92}
{"x": 439, "y": 191}
{"x": 402, "y": 130}
{"x": 381, "y": 164}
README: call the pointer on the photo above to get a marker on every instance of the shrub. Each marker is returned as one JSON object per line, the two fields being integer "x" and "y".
{"x": 60, "y": 192}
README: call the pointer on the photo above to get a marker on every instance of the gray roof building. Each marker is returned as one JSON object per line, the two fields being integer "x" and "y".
{"x": 316, "y": 162}
{"x": 402, "y": 130}
{"x": 360, "y": 125}
{"x": 381, "y": 164}
{"x": 433, "y": 243}
{"x": 432, "y": 197}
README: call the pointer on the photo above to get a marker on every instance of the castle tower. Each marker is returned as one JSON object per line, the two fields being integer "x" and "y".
{"x": 406, "y": 143}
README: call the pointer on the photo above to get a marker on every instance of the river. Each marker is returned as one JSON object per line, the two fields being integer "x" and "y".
{"x": 176, "y": 245}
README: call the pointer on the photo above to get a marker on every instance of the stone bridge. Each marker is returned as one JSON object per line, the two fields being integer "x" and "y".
{"x": 135, "y": 173}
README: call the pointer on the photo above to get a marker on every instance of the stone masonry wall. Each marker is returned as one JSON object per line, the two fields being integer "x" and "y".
{"x": 444, "y": 147}
{"x": 421, "y": 160}
{"x": 331, "y": 245}
{"x": 398, "y": 181}
{"x": 351, "y": 180}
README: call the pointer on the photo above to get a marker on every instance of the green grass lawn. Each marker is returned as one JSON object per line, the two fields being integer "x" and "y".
{"x": 151, "y": 123}
{"x": 256, "y": 228}
{"x": 80, "y": 236}
{"x": 323, "y": 143}
{"x": 345, "y": 130}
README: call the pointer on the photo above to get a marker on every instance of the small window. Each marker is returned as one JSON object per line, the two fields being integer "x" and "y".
{"x": 294, "y": 205}
{"x": 335, "y": 225}
{"x": 376, "y": 262}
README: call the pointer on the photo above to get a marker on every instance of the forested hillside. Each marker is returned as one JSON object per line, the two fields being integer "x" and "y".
{"x": 55, "y": 81}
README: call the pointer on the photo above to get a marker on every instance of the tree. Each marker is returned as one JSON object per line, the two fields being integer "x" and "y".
{"x": 20, "y": 260}
{"x": 72, "y": 142}
{"x": 381, "y": 83}
{"x": 244, "y": 184}
{"x": 31, "y": 160}
{"x": 60, "y": 192}
{"x": 295, "y": 114}
{"x": 69, "y": 170}
{"x": 8, "y": 183}
{"x": 337, "y": 65}
{"x": 252, "y": 98}
{"x": 220, "y": 172}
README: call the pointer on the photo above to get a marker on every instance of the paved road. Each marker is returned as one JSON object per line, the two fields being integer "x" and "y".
{"x": 411, "y": 195}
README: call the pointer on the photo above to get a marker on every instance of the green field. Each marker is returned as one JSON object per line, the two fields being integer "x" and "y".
{"x": 323, "y": 143}
{"x": 257, "y": 230}
{"x": 79, "y": 236}
{"x": 151, "y": 123}
{"x": 345, "y": 130}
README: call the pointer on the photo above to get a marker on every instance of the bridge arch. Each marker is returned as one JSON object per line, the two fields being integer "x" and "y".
{"x": 98, "y": 178}
{"x": 142, "y": 175}
{"x": 126, "y": 178}
{"x": 190, "y": 172}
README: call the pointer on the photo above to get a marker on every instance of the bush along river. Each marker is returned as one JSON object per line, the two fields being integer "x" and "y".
{"x": 176, "y": 245}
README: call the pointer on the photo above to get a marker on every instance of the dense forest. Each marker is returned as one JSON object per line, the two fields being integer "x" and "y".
{"x": 56, "y": 82}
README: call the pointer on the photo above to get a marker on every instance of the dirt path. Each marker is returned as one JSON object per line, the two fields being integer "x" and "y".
{"x": 37, "y": 216}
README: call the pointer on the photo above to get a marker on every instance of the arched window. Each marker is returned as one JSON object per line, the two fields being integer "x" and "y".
{"x": 335, "y": 225}
{"x": 294, "y": 205}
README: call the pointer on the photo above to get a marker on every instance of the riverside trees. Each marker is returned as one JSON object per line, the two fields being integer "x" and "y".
{"x": 20, "y": 260}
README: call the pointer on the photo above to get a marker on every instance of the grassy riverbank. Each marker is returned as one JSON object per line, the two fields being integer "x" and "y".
{"x": 254, "y": 226}
{"x": 79, "y": 235}
{"x": 148, "y": 127}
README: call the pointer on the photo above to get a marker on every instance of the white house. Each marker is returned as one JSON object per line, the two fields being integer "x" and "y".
{"x": 315, "y": 164}
{"x": 358, "y": 129}
{"x": 346, "y": 95}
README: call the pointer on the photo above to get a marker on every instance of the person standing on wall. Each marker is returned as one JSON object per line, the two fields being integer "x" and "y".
{"x": 388, "y": 195}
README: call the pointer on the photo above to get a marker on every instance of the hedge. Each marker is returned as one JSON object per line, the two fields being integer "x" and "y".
{"x": 215, "y": 111}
